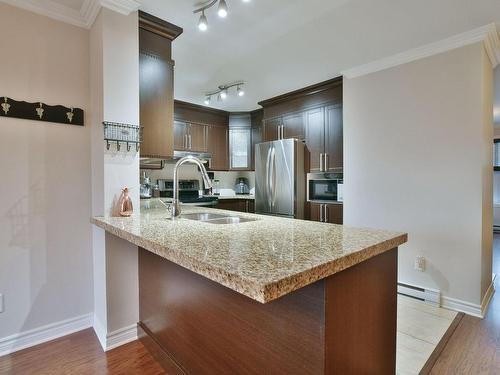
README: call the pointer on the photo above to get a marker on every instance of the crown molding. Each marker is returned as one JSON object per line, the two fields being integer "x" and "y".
{"x": 84, "y": 17}
{"x": 486, "y": 34}
{"x": 121, "y": 6}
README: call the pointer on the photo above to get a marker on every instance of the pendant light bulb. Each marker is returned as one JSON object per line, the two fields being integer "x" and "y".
{"x": 240, "y": 91}
{"x": 203, "y": 22}
{"x": 222, "y": 12}
{"x": 223, "y": 94}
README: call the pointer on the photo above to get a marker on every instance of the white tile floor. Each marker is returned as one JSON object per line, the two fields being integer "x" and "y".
{"x": 420, "y": 328}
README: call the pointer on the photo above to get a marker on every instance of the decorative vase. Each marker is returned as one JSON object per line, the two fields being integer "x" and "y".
{"x": 126, "y": 208}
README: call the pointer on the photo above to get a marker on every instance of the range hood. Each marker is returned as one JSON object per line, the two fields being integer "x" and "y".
{"x": 156, "y": 163}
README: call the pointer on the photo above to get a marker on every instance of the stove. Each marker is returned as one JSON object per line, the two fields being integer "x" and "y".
{"x": 189, "y": 192}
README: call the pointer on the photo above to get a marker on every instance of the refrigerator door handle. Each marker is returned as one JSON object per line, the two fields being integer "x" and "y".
{"x": 268, "y": 176}
{"x": 273, "y": 177}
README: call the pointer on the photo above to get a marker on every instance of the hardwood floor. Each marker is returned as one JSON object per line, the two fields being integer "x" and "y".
{"x": 79, "y": 354}
{"x": 474, "y": 347}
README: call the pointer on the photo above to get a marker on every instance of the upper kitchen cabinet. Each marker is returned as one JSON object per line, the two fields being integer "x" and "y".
{"x": 312, "y": 114}
{"x": 156, "y": 89}
{"x": 334, "y": 141}
{"x": 240, "y": 141}
{"x": 272, "y": 129}
{"x": 315, "y": 138}
{"x": 218, "y": 147}
{"x": 202, "y": 129}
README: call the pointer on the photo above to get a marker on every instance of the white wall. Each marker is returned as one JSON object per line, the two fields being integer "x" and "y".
{"x": 417, "y": 149}
{"x": 114, "y": 40}
{"x": 45, "y": 198}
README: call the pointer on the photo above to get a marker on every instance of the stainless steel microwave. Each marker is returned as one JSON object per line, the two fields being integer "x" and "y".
{"x": 324, "y": 187}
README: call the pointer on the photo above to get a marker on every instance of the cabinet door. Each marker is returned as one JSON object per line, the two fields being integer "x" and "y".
{"x": 197, "y": 140}
{"x": 217, "y": 145}
{"x": 231, "y": 205}
{"x": 294, "y": 126}
{"x": 334, "y": 142}
{"x": 256, "y": 139}
{"x": 240, "y": 148}
{"x": 335, "y": 213}
{"x": 251, "y": 206}
{"x": 156, "y": 102}
{"x": 180, "y": 133}
{"x": 271, "y": 129}
{"x": 315, "y": 211}
{"x": 315, "y": 137}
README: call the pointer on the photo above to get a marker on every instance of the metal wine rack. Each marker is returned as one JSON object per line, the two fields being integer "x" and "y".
{"x": 122, "y": 133}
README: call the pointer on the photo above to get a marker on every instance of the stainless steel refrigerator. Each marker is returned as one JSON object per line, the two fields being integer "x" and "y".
{"x": 280, "y": 178}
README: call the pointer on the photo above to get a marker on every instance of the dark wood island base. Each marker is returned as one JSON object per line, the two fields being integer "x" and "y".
{"x": 344, "y": 324}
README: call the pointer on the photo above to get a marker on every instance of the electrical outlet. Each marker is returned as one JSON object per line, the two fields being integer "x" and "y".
{"x": 1, "y": 303}
{"x": 419, "y": 264}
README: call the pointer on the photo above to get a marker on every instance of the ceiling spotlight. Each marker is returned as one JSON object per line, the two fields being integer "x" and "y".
{"x": 222, "y": 11}
{"x": 240, "y": 91}
{"x": 207, "y": 100}
{"x": 223, "y": 94}
{"x": 203, "y": 23}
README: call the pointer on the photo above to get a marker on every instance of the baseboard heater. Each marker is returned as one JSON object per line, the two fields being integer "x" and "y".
{"x": 430, "y": 296}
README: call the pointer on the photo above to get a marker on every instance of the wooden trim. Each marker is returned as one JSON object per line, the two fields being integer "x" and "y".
{"x": 158, "y": 26}
{"x": 306, "y": 91}
{"x": 200, "y": 108}
{"x": 431, "y": 361}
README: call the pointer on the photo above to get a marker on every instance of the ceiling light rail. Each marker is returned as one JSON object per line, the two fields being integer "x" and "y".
{"x": 222, "y": 11}
{"x": 222, "y": 91}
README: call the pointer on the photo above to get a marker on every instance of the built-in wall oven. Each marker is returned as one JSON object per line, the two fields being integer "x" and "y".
{"x": 325, "y": 187}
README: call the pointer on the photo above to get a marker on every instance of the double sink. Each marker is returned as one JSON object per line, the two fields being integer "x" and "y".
{"x": 211, "y": 218}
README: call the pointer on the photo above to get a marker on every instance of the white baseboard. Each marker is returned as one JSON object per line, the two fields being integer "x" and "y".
{"x": 430, "y": 296}
{"x": 121, "y": 337}
{"x": 471, "y": 308}
{"x": 23, "y": 340}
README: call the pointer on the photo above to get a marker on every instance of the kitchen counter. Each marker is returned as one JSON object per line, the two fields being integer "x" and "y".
{"x": 263, "y": 259}
{"x": 272, "y": 296}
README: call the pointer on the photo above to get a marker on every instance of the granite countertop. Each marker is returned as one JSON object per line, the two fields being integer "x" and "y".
{"x": 263, "y": 259}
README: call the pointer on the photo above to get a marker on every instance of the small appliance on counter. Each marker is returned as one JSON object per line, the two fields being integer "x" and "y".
{"x": 146, "y": 190}
{"x": 241, "y": 187}
{"x": 325, "y": 187}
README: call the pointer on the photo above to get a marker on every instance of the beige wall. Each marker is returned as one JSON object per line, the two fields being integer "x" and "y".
{"x": 45, "y": 198}
{"x": 418, "y": 159}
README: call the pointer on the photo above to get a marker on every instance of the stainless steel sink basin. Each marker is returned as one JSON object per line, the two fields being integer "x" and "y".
{"x": 212, "y": 218}
{"x": 231, "y": 220}
{"x": 202, "y": 216}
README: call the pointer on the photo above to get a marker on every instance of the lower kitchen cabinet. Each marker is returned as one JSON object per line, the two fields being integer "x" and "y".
{"x": 239, "y": 205}
{"x": 327, "y": 213}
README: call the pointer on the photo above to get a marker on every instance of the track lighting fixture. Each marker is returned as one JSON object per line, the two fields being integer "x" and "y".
{"x": 203, "y": 22}
{"x": 223, "y": 91}
{"x": 222, "y": 11}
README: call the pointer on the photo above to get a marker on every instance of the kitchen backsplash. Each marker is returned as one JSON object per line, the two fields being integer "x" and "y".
{"x": 190, "y": 172}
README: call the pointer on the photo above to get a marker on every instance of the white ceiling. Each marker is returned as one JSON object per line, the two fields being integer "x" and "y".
{"x": 280, "y": 45}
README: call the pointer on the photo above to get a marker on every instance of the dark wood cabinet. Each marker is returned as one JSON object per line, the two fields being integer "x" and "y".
{"x": 326, "y": 213}
{"x": 156, "y": 85}
{"x": 180, "y": 134}
{"x": 197, "y": 137}
{"x": 293, "y": 126}
{"x": 272, "y": 129}
{"x": 218, "y": 145}
{"x": 190, "y": 137}
{"x": 238, "y": 205}
{"x": 315, "y": 137}
{"x": 334, "y": 142}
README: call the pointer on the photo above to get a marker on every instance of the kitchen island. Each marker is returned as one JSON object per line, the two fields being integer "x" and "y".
{"x": 264, "y": 296}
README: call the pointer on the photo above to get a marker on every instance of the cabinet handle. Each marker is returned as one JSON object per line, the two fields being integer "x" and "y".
{"x": 321, "y": 212}
{"x": 279, "y": 127}
{"x": 321, "y": 162}
{"x": 326, "y": 162}
{"x": 326, "y": 213}
{"x": 190, "y": 142}
{"x": 282, "y": 131}
{"x": 185, "y": 141}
